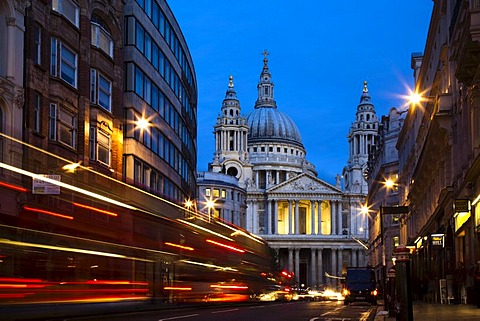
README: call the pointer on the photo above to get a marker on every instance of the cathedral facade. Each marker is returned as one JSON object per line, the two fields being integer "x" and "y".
{"x": 316, "y": 228}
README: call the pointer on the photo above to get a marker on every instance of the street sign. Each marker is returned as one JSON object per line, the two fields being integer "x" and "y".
{"x": 42, "y": 187}
{"x": 461, "y": 205}
{"x": 386, "y": 210}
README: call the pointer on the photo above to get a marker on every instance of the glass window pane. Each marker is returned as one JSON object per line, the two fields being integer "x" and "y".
{"x": 104, "y": 92}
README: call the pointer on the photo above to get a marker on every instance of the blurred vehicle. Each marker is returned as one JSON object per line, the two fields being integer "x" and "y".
{"x": 330, "y": 295}
{"x": 360, "y": 286}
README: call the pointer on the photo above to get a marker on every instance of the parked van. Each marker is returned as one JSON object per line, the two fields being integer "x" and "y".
{"x": 360, "y": 285}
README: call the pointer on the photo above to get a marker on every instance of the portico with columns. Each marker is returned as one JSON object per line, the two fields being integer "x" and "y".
{"x": 308, "y": 222}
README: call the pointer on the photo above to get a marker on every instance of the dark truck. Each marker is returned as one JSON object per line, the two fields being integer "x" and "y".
{"x": 360, "y": 286}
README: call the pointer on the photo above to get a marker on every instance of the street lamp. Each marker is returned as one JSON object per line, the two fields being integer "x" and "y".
{"x": 210, "y": 206}
{"x": 190, "y": 208}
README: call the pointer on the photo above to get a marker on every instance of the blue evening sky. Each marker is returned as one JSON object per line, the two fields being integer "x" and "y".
{"x": 320, "y": 54}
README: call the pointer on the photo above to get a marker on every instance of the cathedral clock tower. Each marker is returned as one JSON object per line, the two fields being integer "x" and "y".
{"x": 362, "y": 136}
{"x": 230, "y": 130}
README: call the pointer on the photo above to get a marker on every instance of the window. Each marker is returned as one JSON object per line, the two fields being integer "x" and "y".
{"x": 100, "y": 145}
{"x": 52, "y": 122}
{"x": 68, "y": 9}
{"x": 63, "y": 126}
{"x": 37, "y": 102}
{"x": 64, "y": 62}
{"x": 93, "y": 86}
{"x": 53, "y": 57}
{"x": 101, "y": 37}
{"x": 104, "y": 92}
{"x": 68, "y": 65}
{"x": 207, "y": 192}
{"x": 224, "y": 193}
{"x": 216, "y": 192}
{"x": 37, "y": 43}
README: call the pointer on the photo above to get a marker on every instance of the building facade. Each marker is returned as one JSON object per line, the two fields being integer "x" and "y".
{"x": 161, "y": 92}
{"x": 112, "y": 88}
{"x": 97, "y": 144}
{"x": 438, "y": 157}
{"x": 12, "y": 93}
{"x": 382, "y": 173}
{"x": 313, "y": 226}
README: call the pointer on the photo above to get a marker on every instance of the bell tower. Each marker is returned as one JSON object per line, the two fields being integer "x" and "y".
{"x": 362, "y": 136}
{"x": 230, "y": 131}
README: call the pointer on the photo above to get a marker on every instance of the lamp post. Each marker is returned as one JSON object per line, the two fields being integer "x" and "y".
{"x": 389, "y": 185}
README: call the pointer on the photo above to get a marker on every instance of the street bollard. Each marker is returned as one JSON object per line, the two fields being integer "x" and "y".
{"x": 403, "y": 284}
{"x": 391, "y": 291}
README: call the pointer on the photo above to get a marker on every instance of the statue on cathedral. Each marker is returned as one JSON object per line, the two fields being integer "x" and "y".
{"x": 338, "y": 179}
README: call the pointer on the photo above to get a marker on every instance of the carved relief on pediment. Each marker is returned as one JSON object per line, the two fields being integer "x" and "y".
{"x": 304, "y": 184}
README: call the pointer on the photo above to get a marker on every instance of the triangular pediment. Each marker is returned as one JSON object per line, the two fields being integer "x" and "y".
{"x": 305, "y": 183}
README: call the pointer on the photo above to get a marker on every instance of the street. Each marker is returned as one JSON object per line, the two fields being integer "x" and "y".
{"x": 299, "y": 311}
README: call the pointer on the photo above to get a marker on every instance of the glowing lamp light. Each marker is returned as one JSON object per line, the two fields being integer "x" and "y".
{"x": 389, "y": 183}
{"x": 142, "y": 123}
{"x": 188, "y": 203}
{"x": 364, "y": 209}
{"x": 70, "y": 168}
{"x": 415, "y": 98}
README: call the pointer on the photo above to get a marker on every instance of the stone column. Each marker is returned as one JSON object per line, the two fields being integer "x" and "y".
{"x": 339, "y": 262}
{"x": 249, "y": 222}
{"x": 312, "y": 217}
{"x": 320, "y": 266}
{"x": 339, "y": 220}
{"x": 333, "y": 207}
{"x": 297, "y": 264}
{"x": 11, "y": 54}
{"x": 297, "y": 219}
{"x": 319, "y": 214}
{"x": 275, "y": 216}
{"x": 354, "y": 260}
{"x": 290, "y": 260}
{"x": 255, "y": 216}
{"x": 290, "y": 218}
{"x": 268, "y": 230}
{"x": 333, "y": 266}
{"x": 313, "y": 267}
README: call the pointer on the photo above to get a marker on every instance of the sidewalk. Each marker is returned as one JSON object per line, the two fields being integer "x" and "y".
{"x": 436, "y": 312}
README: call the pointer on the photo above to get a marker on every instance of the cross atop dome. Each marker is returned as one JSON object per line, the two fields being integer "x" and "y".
{"x": 365, "y": 89}
{"x": 265, "y": 53}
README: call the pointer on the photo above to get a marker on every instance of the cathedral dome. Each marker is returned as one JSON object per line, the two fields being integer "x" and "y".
{"x": 269, "y": 124}
{"x": 266, "y": 123}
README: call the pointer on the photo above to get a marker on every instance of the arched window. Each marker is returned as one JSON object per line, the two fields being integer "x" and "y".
{"x": 101, "y": 37}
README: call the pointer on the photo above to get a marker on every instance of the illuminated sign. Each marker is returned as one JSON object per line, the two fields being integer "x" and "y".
{"x": 437, "y": 239}
{"x": 461, "y": 207}
{"x": 460, "y": 219}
